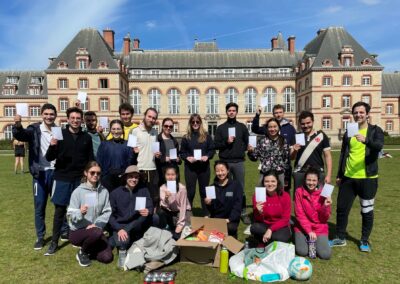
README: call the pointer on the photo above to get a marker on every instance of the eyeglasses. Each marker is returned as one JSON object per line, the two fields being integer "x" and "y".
{"x": 195, "y": 122}
{"x": 93, "y": 173}
{"x": 168, "y": 126}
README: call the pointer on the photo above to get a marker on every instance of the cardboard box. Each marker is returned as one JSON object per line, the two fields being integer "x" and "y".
{"x": 207, "y": 253}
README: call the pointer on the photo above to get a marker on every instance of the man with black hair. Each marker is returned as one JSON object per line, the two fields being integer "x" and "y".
{"x": 125, "y": 114}
{"x": 93, "y": 130}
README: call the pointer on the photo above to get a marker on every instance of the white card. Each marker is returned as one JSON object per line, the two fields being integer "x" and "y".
{"x": 155, "y": 147}
{"x": 210, "y": 192}
{"x": 132, "y": 141}
{"x": 232, "y": 131}
{"x": 327, "y": 190}
{"x": 197, "y": 154}
{"x": 171, "y": 185}
{"x": 261, "y": 194}
{"x": 300, "y": 139}
{"x": 90, "y": 199}
{"x": 173, "y": 154}
{"x": 57, "y": 133}
{"x": 264, "y": 102}
{"x": 103, "y": 121}
{"x": 140, "y": 203}
{"x": 253, "y": 141}
{"x": 82, "y": 97}
{"x": 352, "y": 129}
{"x": 22, "y": 109}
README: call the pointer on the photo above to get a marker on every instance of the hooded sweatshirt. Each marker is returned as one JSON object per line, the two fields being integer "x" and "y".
{"x": 97, "y": 214}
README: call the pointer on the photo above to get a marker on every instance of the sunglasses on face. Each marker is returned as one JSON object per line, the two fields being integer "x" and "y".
{"x": 92, "y": 173}
{"x": 168, "y": 126}
{"x": 195, "y": 122}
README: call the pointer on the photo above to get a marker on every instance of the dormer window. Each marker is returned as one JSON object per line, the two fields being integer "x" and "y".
{"x": 62, "y": 65}
{"x": 103, "y": 65}
{"x": 83, "y": 64}
{"x": 82, "y": 58}
{"x": 347, "y": 56}
{"x": 12, "y": 80}
{"x": 327, "y": 63}
{"x": 366, "y": 62}
{"x": 37, "y": 80}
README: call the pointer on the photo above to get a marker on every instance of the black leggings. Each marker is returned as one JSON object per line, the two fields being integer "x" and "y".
{"x": 202, "y": 175}
{"x": 59, "y": 217}
{"x": 282, "y": 235}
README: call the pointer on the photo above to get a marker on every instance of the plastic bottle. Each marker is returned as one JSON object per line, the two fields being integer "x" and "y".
{"x": 223, "y": 260}
{"x": 312, "y": 249}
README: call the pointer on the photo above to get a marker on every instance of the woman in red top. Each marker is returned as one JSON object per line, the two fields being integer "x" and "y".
{"x": 312, "y": 213}
{"x": 272, "y": 217}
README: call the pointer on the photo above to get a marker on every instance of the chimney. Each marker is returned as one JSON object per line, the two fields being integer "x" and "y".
{"x": 274, "y": 43}
{"x": 136, "y": 43}
{"x": 127, "y": 44}
{"x": 108, "y": 36}
{"x": 291, "y": 40}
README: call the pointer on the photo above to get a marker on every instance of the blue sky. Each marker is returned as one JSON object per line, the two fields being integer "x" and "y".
{"x": 33, "y": 31}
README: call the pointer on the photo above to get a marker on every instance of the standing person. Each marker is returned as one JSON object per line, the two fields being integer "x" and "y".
{"x": 310, "y": 155}
{"x": 125, "y": 114}
{"x": 19, "y": 153}
{"x": 88, "y": 213}
{"x": 232, "y": 149}
{"x": 272, "y": 217}
{"x": 71, "y": 154}
{"x": 146, "y": 135}
{"x": 114, "y": 156}
{"x": 228, "y": 202}
{"x": 167, "y": 142}
{"x": 358, "y": 175}
{"x": 273, "y": 151}
{"x": 197, "y": 171}
{"x": 38, "y": 137}
{"x": 312, "y": 214}
{"x": 96, "y": 132}
{"x": 127, "y": 223}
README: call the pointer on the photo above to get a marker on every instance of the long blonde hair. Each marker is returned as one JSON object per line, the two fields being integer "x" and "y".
{"x": 202, "y": 131}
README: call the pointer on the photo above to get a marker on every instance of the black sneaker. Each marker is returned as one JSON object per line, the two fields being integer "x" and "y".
{"x": 83, "y": 258}
{"x": 246, "y": 219}
{"x": 38, "y": 244}
{"x": 64, "y": 237}
{"x": 52, "y": 248}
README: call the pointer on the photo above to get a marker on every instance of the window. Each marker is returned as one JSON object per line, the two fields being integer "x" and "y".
{"x": 192, "y": 73}
{"x": 306, "y": 103}
{"x": 174, "y": 73}
{"x": 9, "y": 111}
{"x": 12, "y": 80}
{"x": 34, "y": 111}
{"x": 326, "y": 123}
{"x": 346, "y": 101}
{"x": 83, "y": 64}
{"x": 270, "y": 95}
{"x": 366, "y": 99}
{"x": 289, "y": 99}
{"x": 366, "y": 80}
{"x": 9, "y": 91}
{"x": 389, "y": 125}
{"x": 250, "y": 96}
{"x": 34, "y": 91}
{"x": 228, "y": 73}
{"x": 176, "y": 128}
{"x": 8, "y": 132}
{"x": 193, "y": 101}
{"x": 247, "y": 72}
{"x": 104, "y": 105}
{"x": 265, "y": 71}
{"x": 345, "y": 120}
{"x": 327, "y": 81}
{"x": 64, "y": 104}
{"x": 85, "y": 106}
{"x": 283, "y": 70}
{"x": 83, "y": 84}
{"x": 212, "y": 128}
{"x": 103, "y": 83}
{"x": 299, "y": 87}
{"x": 62, "y": 83}
{"x": 36, "y": 80}
{"x": 155, "y": 73}
{"x": 154, "y": 99}
{"x": 326, "y": 101}
{"x": 137, "y": 73}
{"x": 346, "y": 81}
{"x": 136, "y": 101}
{"x": 347, "y": 61}
{"x": 389, "y": 109}
{"x": 212, "y": 101}
{"x": 210, "y": 73}
{"x": 173, "y": 101}
{"x": 248, "y": 125}
{"x": 231, "y": 96}
{"x": 307, "y": 84}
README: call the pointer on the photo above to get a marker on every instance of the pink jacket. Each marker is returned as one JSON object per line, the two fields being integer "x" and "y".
{"x": 311, "y": 213}
{"x": 176, "y": 202}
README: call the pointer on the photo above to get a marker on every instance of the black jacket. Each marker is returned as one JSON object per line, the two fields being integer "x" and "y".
{"x": 160, "y": 162}
{"x": 374, "y": 144}
{"x": 189, "y": 145}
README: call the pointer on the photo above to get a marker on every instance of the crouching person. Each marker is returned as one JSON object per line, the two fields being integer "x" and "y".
{"x": 129, "y": 219}
{"x": 88, "y": 213}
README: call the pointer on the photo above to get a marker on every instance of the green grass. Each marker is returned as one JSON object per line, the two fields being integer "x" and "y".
{"x": 20, "y": 263}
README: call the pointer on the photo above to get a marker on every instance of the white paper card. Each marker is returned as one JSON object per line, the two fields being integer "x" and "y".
{"x": 82, "y": 97}
{"x": 352, "y": 129}
{"x": 90, "y": 199}
{"x": 264, "y": 102}
{"x": 327, "y": 190}
{"x": 300, "y": 139}
{"x": 197, "y": 154}
{"x": 232, "y": 131}
{"x": 261, "y": 194}
{"x": 253, "y": 141}
{"x": 140, "y": 203}
{"x": 171, "y": 185}
{"x": 173, "y": 154}
{"x": 103, "y": 121}
{"x": 155, "y": 147}
{"x": 22, "y": 109}
{"x": 210, "y": 192}
{"x": 57, "y": 133}
{"x": 132, "y": 141}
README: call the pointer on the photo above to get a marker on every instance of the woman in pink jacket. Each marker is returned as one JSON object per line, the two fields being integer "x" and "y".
{"x": 312, "y": 214}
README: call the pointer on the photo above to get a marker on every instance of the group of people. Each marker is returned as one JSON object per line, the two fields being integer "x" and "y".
{"x": 100, "y": 184}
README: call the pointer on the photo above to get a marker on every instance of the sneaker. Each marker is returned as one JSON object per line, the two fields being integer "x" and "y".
{"x": 83, "y": 258}
{"x": 246, "y": 219}
{"x": 121, "y": 258}
{"x": 52, "y": 248}
{"x": 365, "y": 246}
{"x": 337, "y": 242}
{"x": 64, "y": 237}
{"x": 38, "y": 244}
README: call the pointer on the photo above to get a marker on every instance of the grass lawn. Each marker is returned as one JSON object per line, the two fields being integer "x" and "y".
{"x": 20, "y": 263}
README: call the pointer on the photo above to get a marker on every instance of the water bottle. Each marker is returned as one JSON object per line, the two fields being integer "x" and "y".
{"x": 223, "y": 260}
{"x": 312, "y": 249}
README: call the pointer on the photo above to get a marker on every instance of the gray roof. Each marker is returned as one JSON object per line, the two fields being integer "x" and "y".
{"x": 96, "y": 46}
{"x": 205, "y": 46}
{"x": 23, "y": 83}
{"x": 328, "y": 44}
{"x": 391, "y": 85}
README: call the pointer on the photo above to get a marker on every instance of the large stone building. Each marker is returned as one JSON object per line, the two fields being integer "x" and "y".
{"x": 327, "y": 77}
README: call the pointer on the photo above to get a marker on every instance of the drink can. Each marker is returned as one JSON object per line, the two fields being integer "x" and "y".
{"x": 312, "y": 249}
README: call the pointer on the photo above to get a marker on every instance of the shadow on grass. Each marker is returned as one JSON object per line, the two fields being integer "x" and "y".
{"x": 332, "y": 234}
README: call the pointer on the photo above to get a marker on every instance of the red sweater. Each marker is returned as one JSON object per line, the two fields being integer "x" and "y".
{"x": 311, "y": 213}
{"x": 276, "y": 211}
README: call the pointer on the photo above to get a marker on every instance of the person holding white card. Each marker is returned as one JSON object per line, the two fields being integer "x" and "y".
{"x": 228, "y": 198}
{"x": 96, "y": 132}
{"x": 125, "y": 115}
{"x": 272, "y": 217}
{"x": 312, "y": 212}
{"x": 175, "y": 209}
{"x": 87, "y": 221}
{"x": 197, "y": 170}
{"x": 127, "y": 223}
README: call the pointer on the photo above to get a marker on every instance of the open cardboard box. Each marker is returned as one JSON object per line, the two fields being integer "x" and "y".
{"x": 207, "y": 253}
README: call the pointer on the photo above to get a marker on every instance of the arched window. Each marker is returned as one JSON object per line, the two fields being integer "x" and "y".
{"x": 289, "y": 99}
{"x": 250, "y": 96}
{"x": 193, "y": 101}
{"x": 155, "y": 99}
{"x": 135, "y": 99}
{"x": 173, "y": 101}
{"x": 270, "y": 95}
{"x": 231, "y": 96}
{"x": 212, "y": 101}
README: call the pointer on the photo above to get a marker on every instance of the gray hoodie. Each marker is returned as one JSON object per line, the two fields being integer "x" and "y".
{"x": 97, "y": 214}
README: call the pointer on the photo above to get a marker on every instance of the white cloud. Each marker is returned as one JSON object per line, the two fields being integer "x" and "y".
{"x": 151, "y": 24}
{"x": 332, "y": 9}
{"x": 370, "y": 2}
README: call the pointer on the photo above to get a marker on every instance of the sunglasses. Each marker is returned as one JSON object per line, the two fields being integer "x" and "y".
{"x": 93, "y": 173}
{"x": 168, "y": 126}
{"x": 193, "y": 122}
